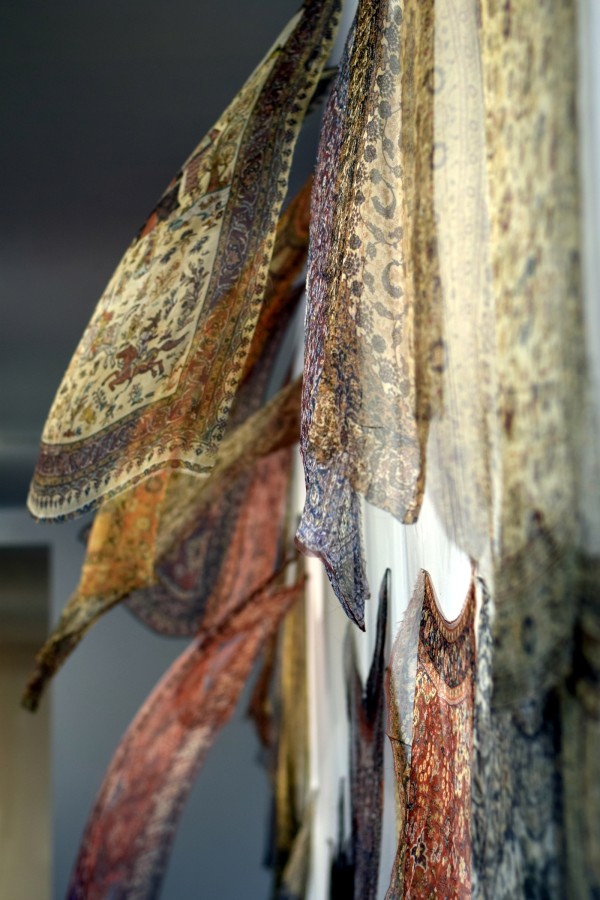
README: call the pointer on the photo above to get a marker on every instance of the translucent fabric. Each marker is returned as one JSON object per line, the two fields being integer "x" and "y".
{"x": 117, "y": 530}
{"x": 371, "y": 331}
{"x": 161, "y": 544}
{"x": 444, "y": 320}
{"x": 154, "y": 376}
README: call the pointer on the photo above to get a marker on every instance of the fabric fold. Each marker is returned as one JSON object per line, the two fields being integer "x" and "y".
{"x": 429, "y": 686}
{"x": 273, "y": 428}
{"x": 155, "y": 374}
{"x": 372, "y": 329}
{"x": 128, "y": 838}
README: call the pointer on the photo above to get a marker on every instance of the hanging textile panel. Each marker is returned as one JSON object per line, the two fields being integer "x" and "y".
{"x": 517, "y": 788}
{"x": 430, "y": 689}
{"x": 162, "y": 543}
{"x": 372, "y": 337}
{"x": 129, "y": 835}
{"x": 529, "y": 69}
{"x": 110, "y": 573}
{"x": 153, "y": 379}
{"x": 366, "y": 709}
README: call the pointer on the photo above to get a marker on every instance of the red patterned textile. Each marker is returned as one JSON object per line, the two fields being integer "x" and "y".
{"x": 431, "y": 737}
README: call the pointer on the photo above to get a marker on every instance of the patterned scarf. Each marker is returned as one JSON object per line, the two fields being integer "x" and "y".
{"x": 129, "y": 835}
{"x": 155, "y": 374}
{"x": 430, "y": 688}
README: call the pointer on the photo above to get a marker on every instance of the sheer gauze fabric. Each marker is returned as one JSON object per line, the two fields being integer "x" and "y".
{"x": 444, "y": 322}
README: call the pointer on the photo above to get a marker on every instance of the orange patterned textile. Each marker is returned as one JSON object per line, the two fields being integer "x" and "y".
{"x": 153, "y": 379}
{"x": 430, "y": 690}
{"x": 272, "y": 428}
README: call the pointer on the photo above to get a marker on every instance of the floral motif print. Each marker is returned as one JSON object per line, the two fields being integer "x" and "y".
{"x": 153, "y": 379}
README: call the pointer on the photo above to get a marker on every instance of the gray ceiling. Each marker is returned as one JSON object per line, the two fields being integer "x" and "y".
{"x": 100, "y": 104}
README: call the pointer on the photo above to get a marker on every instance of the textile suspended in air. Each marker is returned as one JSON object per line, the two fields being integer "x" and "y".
{"x": 193, "y": 700}
{"x": 275, "y": 426}
{"x": 372, "y": 335}
{"x": 505, "y": 449}
{"x": 162, "y": 543}
{"x": 129, "y": 835}
{"x": 153, "y": 379}
{"x": 517, "y": 788}
{"x": 430, "y": 685}
{"x": 366, "y": 711}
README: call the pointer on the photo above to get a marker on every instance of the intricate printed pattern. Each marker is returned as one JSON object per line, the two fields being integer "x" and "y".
{"x": 433, "y": 760}
{"x": 273, "y": 427}
{"x": 330, "y": 527}
{"x": 366, "y": 712}
{"x": 529, "y": 66}
{"x": 516, "y": 788}
{"x": 153, "y": 379}
{"x": 128, "y": 838}
{"x": 372, "y": 333}
{"x": 133, "y": 548}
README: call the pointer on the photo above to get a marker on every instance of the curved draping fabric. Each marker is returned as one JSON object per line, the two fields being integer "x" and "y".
{"x": 366, "y": 711}
{"x": 445, "y": 314}
{"x": 372, "y": 339}
{"x": 129, "y": 835}
{"x": 272, "y": 428}
{"x": 162, "y": 543}
{"x": 430, "y": 687}
{"x": 153, "y": 379}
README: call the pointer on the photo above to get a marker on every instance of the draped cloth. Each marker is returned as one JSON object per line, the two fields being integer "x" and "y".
{"x": 444, "y": 319}
{"x": 279, "y": 707}
{"x": 129, "y": 835}
{"x": 160, "y": 545}
{"x": 108, "y": 573}
{"x": 366, "y": 711}
{"x": 430, "y": 686}
{"x": 517, "y": 788}
{"x": 155, "y": 374}
{"x": 371, "y": 331}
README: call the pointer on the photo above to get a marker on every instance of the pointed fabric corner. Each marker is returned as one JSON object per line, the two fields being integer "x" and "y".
{"x": 155, "y": 374}
{"x": 366, "y": 710}
{"x": 373, "y": 337}
{"x": 430, "y": 688}
{"x": 161, "y": 544}
{"x": 129, "y": 835}
{"x": 273, "y": 428}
